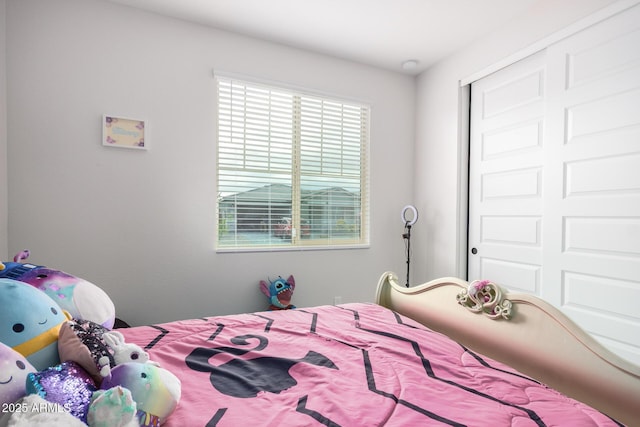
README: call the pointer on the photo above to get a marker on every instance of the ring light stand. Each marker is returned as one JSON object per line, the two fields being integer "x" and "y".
{"x": 407, "y": 234}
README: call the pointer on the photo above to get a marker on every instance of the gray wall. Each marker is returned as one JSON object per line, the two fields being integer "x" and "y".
{"x": 3, "y": 136}
{"x": 140, "y": 224}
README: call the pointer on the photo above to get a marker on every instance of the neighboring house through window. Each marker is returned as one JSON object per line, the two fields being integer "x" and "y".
{"x": 292, "y": 168}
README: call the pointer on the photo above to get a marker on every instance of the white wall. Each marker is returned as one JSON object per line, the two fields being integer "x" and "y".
{"x": 141, "y": 224}
{"x": 3, "y": 136}
{"x": 440, "y": 142}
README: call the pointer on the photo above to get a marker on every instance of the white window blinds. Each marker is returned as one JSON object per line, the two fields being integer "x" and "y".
{"x": 292, "y": 168}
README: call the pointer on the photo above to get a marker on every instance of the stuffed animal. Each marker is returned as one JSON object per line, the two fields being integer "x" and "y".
{"x": 21, "y": 256}
{"x": 14, "y": 369}
{"x": 68, "y": 389}
{"x": 30, "y": 322}
{"x": 124, "y": 352}
{"x": 279, "y": 292}
{"x": 114, "y": 363}
{"x": 83, "y": 342}
{"x": 114, "y": 407}
{"x": 96, "y": 348}
{"x": 155, "y": 390}
{"x": 130, "y": 394}
{"x": 81, "y": 298}
{"x": 66, "y": 384}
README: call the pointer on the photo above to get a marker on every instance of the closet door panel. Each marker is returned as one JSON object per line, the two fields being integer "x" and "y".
{"x": 506, "y": 171}
{"x": 593, "y": 110}
{"x": 554, "y": 193}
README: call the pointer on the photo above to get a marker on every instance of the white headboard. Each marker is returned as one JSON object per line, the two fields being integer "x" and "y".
{"x": 537, "y": 339}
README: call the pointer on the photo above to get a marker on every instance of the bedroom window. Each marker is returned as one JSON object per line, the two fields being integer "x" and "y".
{"x": 291, "y": 169}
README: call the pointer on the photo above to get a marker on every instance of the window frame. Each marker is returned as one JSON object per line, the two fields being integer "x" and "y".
{"x": 297, "y": 244}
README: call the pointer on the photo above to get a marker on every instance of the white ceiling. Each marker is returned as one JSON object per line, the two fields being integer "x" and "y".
{"x": 382, "y": 33}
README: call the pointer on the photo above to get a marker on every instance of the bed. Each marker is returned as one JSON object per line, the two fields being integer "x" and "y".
{"x": 442, "y": 353}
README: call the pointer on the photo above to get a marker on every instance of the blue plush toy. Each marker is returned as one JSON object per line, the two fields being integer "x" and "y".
{"x": 81, "y": 298}
{"x": 279, "y": 292}
{"x": 29, "y": 322}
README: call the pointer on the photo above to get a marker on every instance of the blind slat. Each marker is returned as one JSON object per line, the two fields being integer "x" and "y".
{"x": 277, "y": 148}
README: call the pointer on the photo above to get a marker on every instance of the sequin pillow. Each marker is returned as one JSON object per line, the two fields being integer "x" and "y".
{"x": 66, "y": 384}
{"x": 82, "y": 341}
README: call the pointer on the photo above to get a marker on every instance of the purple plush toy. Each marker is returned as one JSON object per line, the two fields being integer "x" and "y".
{"x": 81, "y": 298}
{"x": 66, "y": 384}
{"x": 14, "y": 369}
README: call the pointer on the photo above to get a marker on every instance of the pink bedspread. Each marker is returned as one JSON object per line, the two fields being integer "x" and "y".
{"x": 350, "y": 365}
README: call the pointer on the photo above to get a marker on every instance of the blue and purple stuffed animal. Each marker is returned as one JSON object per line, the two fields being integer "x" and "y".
{"x": 30, "y": 322}
{"x": 81, "y": 298}
{"x": 279, "y": 292}
{"x": 37, "y": 330}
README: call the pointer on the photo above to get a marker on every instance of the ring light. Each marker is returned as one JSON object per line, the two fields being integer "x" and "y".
{"x": 407, "y": 235}
{"x": 403, "y": 216}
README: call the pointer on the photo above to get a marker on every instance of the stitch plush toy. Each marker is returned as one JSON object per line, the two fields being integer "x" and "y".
{"x": 279, "y": 292}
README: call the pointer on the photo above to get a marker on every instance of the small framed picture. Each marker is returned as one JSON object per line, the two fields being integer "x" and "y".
{"x": 125, "y": 132}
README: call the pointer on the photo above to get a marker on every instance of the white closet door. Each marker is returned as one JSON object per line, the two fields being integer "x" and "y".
{"x": 556, "y": 209}
{"x": 506, "y": 175}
